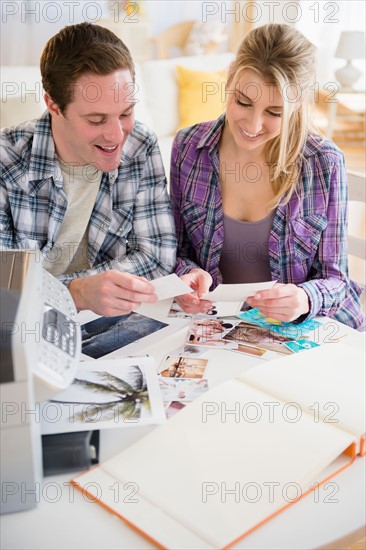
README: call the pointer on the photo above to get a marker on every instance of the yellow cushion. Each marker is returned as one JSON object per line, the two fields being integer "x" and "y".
{"x": 201, "y": 95}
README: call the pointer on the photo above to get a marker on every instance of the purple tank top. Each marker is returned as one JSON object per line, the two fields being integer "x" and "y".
{"x": 244, "y": 257}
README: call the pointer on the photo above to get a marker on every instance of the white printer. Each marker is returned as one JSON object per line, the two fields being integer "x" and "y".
{"x": 40, "y": 350}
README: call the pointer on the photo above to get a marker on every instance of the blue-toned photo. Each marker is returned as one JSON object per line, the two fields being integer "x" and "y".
{"x": 107, "y": 334}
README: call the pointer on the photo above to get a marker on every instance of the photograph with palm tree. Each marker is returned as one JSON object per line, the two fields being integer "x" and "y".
{"x": 107, "y": 394}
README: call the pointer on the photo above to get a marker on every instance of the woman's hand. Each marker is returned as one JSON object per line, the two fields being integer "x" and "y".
{"x": 284, "y": 302}
{"x": 200, "y": 281}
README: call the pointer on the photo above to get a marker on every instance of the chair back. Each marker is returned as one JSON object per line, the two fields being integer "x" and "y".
{"x": 357, "y": 230}
{"x": 174, "y": 36}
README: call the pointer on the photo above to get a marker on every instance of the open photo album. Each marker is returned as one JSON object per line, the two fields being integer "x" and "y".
{"x": 286, "y": 426}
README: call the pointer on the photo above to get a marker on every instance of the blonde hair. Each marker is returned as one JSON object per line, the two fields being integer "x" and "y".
{"x": 283, "y": 56}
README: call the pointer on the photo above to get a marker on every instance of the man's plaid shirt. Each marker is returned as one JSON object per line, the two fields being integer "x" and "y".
{"x": 131, "y": 228}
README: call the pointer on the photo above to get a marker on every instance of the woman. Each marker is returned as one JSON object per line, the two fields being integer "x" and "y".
{"x": 258, "y": 196}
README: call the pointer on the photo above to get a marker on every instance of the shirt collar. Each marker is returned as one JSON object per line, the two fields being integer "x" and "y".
{"x": 212, "y": 136}
{"x": 43, "y": 160}
{"x": 112, "y": 176}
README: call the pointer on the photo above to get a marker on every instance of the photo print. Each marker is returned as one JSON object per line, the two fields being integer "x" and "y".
{"x": 219, "y": 309}
{"x": 110, "y": 393}
{"x": 235, "y": 336}
{"x": 107, "y": 334}
{"x": 252, "y": 335}
{"x": 293, "y": 330}
{"x": 179, "y": 366}
{"x": 209, "y": 332}
{"x": 182, "y": 389}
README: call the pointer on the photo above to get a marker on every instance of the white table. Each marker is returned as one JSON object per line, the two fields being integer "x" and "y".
{"x": 333, "y": 518}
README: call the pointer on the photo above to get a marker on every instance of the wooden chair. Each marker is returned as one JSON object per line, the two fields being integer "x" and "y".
{"x": 174, "y": 36}
{"x": 177, "y": 36}
{"x": 357, "y": 231}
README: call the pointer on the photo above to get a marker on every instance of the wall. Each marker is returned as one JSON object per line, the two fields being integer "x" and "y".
{"x": 27, "y": 25}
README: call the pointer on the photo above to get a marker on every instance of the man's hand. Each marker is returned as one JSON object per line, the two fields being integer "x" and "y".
{"x": 200, "y": 281}
{"x": 282, "y": 302}
{"x": 111, "y": 293}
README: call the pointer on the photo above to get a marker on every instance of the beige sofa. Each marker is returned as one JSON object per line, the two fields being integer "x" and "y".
{"x": 156, "y": 92}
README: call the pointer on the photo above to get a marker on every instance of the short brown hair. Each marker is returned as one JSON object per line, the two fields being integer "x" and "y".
{"x": 80, "y": 49}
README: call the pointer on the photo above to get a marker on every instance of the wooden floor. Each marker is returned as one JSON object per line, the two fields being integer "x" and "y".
{"x": 360, "y": 545}
{"x": 349, "y": 136}
{"x": 355, "y": 158}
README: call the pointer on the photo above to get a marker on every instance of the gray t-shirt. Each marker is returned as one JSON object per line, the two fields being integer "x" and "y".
{"x": 244, "y": 257}
{"x": 70, "y": 251}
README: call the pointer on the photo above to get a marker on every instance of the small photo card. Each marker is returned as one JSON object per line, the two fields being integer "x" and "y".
{"x": 234, "y": 336}
{"x": 182, "y": 389}
{"x": 179, "y": 366}
{"x": 209, "y": 332}
{"x": 291, "y": 330}
{"x": 300, "y": 345}
{"x": 218, "y": 309}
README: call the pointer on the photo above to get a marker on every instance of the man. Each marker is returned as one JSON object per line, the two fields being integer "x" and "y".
{"x": 85, "y": 183}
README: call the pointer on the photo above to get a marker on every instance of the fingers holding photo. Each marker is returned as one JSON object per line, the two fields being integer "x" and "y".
{"x": 200, "y": 281}
{"x": 111, "y": 293}
{"x": 284, "y": 302}
{"x": 190, "y": 303}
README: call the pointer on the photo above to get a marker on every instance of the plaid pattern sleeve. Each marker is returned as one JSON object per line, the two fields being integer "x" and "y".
{"x": 331, "y": 293}
{"x": 308, "y": 240}
{"x": 308, "y": 244}
{"x": 131, "y": 226}
{"x": 196, "y": 197}
{"x": 187, "y": 257}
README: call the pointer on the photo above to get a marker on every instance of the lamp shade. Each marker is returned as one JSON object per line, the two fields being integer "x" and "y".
{"x": 351, "y": 45}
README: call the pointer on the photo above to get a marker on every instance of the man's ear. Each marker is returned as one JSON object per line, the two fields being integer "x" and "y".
{"x": 53, "y": 108}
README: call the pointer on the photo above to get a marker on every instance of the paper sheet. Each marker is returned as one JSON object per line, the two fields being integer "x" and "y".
{"x": 170, "y": 286}
{"x": 236, "y": 293}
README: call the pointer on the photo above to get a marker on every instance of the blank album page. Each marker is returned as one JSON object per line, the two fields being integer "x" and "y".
{"x": 211, "y": 467}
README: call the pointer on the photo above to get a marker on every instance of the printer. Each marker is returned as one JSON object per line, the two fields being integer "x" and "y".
{"x": 40, "y": 351}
